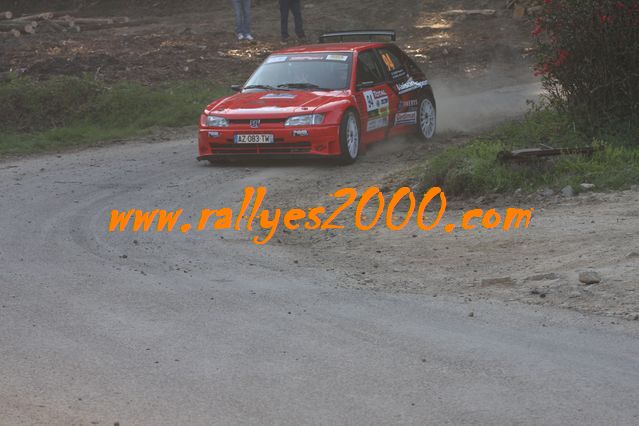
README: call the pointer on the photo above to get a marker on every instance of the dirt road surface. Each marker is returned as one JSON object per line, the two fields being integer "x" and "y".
{"x": 321, "y": 328}
{"x": 340, "y": 327}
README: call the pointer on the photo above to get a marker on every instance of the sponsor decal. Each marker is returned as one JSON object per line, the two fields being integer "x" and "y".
{"x": 336, "y": 58}
{"x": 398, "y": 74}
{"x": 307, "y": 58}
{"x": 279, "y": 96}
{"x": 411, "y": 85}
{"x": 410, "y": 103}
{"x": 378, "y": 109}
{"x": 377, "y": 123}
{"x": 274, "y": 59}
{"x": 406, "y": 118}
{"x": 375, "y": 100}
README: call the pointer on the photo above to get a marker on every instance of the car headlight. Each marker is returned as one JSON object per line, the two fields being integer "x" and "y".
{"x": 305, "y": 120}
{"x": 215, "y": 121}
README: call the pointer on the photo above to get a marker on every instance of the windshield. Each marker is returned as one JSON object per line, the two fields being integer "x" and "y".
{"x": 310, "y": 71}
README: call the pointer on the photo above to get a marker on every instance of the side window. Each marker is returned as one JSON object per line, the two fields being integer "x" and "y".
{"x": 396, "y": 69}
{"x": 411, "y": 67}
{"x": 368, "y": 69}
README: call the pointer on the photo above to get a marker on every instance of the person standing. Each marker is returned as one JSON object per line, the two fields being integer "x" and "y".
{"x": 295, "y": 7}
{"x": 243, "y": 19}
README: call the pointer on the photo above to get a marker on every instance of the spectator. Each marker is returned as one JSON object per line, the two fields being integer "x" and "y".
{"x": 243, "y": 19}
{"x": 295, "y": 7}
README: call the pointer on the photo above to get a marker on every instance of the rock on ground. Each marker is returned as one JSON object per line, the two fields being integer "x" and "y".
{"x": 589, "y": 277}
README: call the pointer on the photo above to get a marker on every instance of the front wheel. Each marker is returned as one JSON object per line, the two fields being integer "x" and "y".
{"x": 427, "y": 117}
{"x": 349, "y": 139}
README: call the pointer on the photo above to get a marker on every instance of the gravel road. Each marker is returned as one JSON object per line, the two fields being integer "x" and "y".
{"x": 207, "y": 328}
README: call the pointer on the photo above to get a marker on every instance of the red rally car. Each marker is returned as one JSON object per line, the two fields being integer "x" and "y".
{"x": 324, "y": 100}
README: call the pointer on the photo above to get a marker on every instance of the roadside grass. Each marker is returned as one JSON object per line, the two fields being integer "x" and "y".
{"x": 62, "y": 112}
{"x": 474, "y": 169}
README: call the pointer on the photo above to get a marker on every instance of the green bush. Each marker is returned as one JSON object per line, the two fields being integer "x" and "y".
{"x": 29, "y": 105}
{"x": 65, "y": 111}
{"x": 474, "y": 169}
{"x": 588, "y": 55}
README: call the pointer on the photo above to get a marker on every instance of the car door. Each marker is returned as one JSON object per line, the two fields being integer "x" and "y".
{"x": 374, "y": 96}
{"x": 406, "y": 79}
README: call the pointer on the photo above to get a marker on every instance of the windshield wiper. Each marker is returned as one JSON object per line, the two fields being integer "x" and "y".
{"x": 303, "y": 86}
{"x": 262, "y": 86}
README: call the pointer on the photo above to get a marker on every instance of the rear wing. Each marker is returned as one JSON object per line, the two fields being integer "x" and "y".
{"x": 367, "y": 34}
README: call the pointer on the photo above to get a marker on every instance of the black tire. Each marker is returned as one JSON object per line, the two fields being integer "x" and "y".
{"x": 348, "y": 129}
{"x": 427, "y": 130}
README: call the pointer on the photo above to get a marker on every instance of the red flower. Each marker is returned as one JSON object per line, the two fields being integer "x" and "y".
{"x": 563, "y": 55}
{"x": 606, "y": 19}
{"x": 542, "y": 69}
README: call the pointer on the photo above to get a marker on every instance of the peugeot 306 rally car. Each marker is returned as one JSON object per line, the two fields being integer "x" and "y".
{"x": 323, "y": 100}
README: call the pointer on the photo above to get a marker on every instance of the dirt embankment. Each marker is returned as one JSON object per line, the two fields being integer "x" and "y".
{"x": 195, "y": 39}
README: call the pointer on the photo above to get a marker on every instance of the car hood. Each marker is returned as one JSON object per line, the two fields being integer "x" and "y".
{"x": 278, "y": 104}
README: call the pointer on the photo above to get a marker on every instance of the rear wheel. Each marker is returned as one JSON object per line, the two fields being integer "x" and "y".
{"x": 427, "y": 117}
{"x": 349, "y": 138}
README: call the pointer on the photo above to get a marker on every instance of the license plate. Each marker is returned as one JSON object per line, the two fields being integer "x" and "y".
{"x": 254, "y": 138}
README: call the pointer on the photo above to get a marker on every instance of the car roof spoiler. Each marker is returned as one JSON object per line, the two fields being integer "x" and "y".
{"x": 369, "y": 34}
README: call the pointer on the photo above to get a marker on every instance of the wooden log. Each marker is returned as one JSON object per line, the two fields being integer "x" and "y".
{"x": 55, "y": 26}
{"x": 98, "y": 24}
{"x": 29, "y": 29}
{"x": 6, "y": 15}
{"x": 519, "y": 11}
{"x": 534, "y": 10}
{"x": 457, "y": 12}
{"x": 95, "y": 21}
{"x": 10, "y": 33}
{"x": 535, "y": 153}
{"x": 65, "y": 18}
{"x": 65, "y": 22}
{"x": 38, "y": 17}
{"x": 24, "y": 26}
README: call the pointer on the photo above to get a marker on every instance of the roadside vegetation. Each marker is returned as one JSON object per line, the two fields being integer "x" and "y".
{"x": 62, "y": 112}
{"x": 475, "y": 169}
{"x": 587, "y": 57}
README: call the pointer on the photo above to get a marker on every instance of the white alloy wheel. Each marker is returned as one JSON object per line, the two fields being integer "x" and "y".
{"x": 427, "y": 118}
{"x": 352, "y": 136}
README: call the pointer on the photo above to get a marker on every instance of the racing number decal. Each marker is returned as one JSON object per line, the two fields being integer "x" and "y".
{"x": 378, "y": 109}
{"x": 388, "y": 61}
{"x": 376, "y": 100}
{"x": 378, "y": 113}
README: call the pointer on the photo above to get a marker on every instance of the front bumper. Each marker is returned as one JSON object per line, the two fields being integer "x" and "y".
{"x": 319, "y": 141}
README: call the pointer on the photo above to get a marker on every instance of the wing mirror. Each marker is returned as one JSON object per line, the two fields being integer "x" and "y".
{"x": 236, "y": 88}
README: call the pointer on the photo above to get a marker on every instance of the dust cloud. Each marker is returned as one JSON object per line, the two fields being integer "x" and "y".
{"x": 469, "y": 106}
